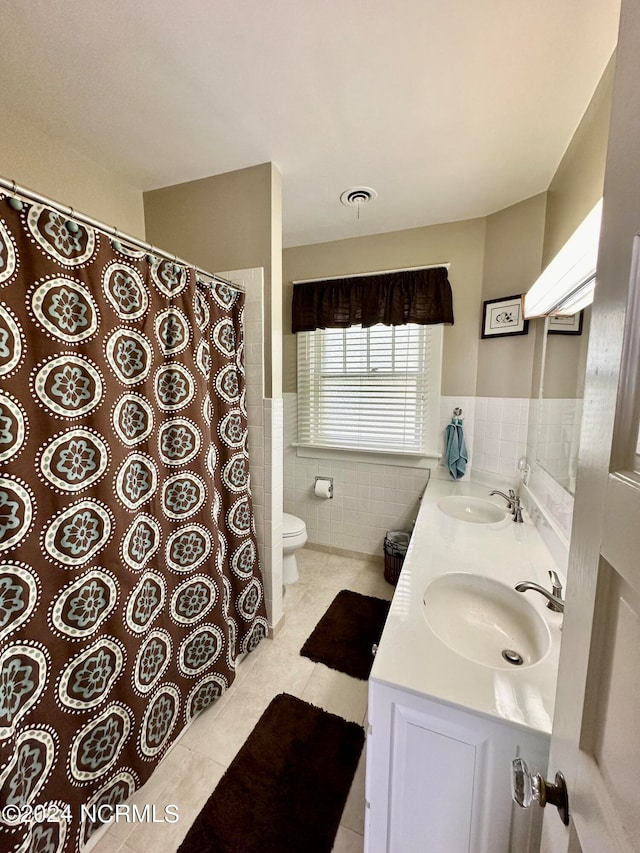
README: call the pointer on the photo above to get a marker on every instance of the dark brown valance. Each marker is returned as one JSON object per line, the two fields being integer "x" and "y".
{"x": 396, "y": 298}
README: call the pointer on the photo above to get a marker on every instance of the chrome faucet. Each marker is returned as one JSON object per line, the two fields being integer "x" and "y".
{"x": 554, "y": 598}
{"x": 513, "y": 503}
{"x": 508, "y": 498}
{"x": 517, "y": 510}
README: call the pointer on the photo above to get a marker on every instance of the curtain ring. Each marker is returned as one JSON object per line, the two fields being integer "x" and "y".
{"x": 14, "y": 202}
{"x": 72, "y": 227}
{"x": 117, "y": 245}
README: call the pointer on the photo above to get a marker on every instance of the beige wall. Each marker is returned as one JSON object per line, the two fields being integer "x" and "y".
{"x": 565, "y": 362}
{"x": 226, "y": 222}
{"x": 273, "y": 294}
{"x": 459, "y": 243}
{"x": 54, "y": 168}
{"x": 233, "y": 221}
{"x": 497, "y": 256}
{"x": 576, "y": 187}
{"x": 578, "y": 181}
{"x": 512, "y": 262}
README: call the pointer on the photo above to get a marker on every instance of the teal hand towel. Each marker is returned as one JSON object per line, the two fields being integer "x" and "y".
{"x": 456, "y": 456}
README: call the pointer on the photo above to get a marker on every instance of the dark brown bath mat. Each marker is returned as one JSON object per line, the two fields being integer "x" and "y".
{"x": 285, "y": 790}
{"x": 344, "y": 637}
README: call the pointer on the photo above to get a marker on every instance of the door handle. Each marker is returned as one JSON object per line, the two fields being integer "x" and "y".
{"x": 527, "y": 788}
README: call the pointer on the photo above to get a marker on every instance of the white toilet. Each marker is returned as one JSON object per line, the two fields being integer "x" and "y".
{"x": 294, "y": 536}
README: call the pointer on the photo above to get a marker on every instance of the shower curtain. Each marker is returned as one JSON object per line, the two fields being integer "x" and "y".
{"x": 129, "y": 576}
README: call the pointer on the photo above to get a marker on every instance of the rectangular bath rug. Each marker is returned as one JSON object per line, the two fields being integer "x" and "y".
{"x": 285, "y": 790}
{"x": 344, "y": 637}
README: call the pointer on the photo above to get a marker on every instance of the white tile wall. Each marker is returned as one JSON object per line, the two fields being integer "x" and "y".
{"x": 368, "y": 499}
{"x": 273, "y": 496}
{"x": 553, "y": 499}
{"x": 495, "y": 431}
{"x": 500, "y": 431}
{"x": 500, "y": 434}
{"x": 559, "y": 437}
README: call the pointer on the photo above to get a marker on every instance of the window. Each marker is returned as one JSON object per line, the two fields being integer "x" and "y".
{"x": 373, "y": 389}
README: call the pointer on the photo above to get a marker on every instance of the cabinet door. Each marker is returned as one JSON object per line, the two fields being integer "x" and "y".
{"x": 449, "y": 782}
{"x": 433, "y": 784}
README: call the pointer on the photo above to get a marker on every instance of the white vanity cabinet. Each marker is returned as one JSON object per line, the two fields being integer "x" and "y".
{"x": 445, "y": 726}
{"x": 438, "y": 778}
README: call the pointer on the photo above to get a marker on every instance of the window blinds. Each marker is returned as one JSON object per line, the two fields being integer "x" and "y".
{"x": 373, "y": 389}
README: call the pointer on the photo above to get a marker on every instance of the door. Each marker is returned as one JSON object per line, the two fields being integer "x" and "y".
{"x": 596, "y": 734}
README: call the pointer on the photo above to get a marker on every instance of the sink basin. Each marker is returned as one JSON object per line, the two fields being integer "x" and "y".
{"x": 475, "y": 510}
{"x": 485, "y": 621}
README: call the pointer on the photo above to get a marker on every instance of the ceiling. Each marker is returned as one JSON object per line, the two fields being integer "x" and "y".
{"x": 450, "y": 109}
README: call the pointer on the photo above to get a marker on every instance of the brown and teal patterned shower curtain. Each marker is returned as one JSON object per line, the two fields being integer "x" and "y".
{"x": 129, "y": 577}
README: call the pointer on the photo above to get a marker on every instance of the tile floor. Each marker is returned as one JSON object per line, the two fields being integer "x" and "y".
{"x": 190, "y": 771}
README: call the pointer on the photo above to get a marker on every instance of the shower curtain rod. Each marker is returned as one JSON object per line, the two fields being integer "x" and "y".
{"x": 111, "y": 231}
{"x": 366, "y": 274}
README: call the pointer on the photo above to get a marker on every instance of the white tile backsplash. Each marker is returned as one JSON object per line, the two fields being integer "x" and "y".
{"x": 495, "y": 430}
{"x": 499, "y": 434}
{"x": 555, "y": 500}
{"x": 559, "y": 437}
{"x": 370, "y": 499}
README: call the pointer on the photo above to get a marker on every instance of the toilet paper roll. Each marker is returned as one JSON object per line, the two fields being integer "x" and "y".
{"x": 323, "y": 488}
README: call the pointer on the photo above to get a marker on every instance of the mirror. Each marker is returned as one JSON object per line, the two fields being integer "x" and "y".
{"x": 564, "y": 361}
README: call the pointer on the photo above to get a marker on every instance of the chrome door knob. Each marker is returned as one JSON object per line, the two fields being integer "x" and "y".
{"x": 527, "y": 788}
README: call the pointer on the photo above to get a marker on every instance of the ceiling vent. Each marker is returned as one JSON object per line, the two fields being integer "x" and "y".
{"x": 355, "y": 196}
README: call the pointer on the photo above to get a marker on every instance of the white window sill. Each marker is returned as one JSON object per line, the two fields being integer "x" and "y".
{"x": 374, "y": 457}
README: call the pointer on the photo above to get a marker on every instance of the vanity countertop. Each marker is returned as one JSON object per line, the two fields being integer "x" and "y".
{"x": 411, "y": 657}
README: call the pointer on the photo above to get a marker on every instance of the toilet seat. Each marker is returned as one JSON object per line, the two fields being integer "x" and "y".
{"x": 292, "y": 525}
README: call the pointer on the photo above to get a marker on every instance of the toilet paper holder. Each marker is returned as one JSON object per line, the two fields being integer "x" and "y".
{"x": 323, "y": 480}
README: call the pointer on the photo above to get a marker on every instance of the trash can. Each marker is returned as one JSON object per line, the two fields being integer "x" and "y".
{"x": 396, "y": 543}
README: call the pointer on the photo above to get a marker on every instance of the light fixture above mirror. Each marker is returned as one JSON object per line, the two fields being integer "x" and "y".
{"x": 567, "y": 284}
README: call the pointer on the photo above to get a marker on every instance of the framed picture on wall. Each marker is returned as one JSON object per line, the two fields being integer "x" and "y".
{"x": 503, "y": 317}
{"x": 563, "y": 324}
